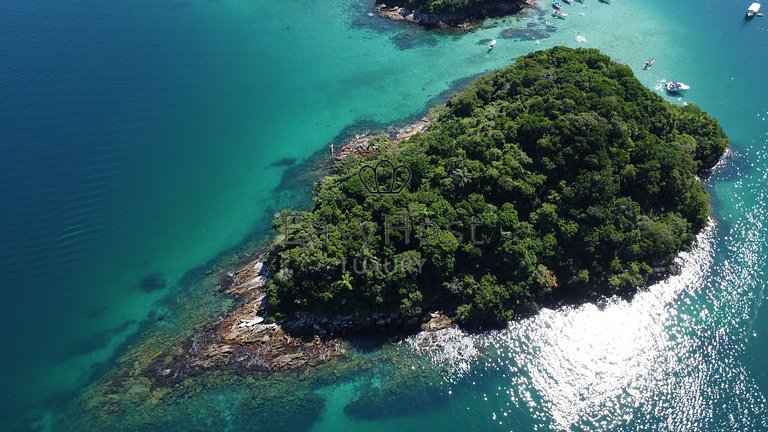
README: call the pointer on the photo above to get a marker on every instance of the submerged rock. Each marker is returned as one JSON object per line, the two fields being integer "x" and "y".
{"x": 524, "y": 34}
{"x": 153, "y": 282}
{"x": 408, "y": 40}
{"x": 408, "y": 389}
{"x": 283, "y": 162}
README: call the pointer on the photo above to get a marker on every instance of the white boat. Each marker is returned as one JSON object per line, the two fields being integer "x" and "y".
{"x": 753, "y": 9}
{"x": 677, "y": 87}
{"x": 493, "y": 44}
{"x": 648, "y": 63}
{"x": 556, "y": 13}
{"x": 556, "y": 4}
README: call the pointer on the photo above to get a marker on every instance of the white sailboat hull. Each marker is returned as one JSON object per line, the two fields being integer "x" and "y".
{"x": 753, "y": 9}
{"x": 677, "y": 87}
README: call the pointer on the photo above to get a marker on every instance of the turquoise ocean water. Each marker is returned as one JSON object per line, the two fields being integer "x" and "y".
{"x": 144, "y": 138}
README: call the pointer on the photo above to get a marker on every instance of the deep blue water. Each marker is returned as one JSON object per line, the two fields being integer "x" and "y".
{"x": 119, "y": 136}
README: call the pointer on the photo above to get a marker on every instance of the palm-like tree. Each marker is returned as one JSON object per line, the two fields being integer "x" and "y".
{"x": 461, "y": 176}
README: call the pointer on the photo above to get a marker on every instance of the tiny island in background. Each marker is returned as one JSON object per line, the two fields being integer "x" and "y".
{"x": 461, "y": 15}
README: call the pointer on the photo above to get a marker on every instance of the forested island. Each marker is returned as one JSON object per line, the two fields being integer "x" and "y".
{"x": 461, "y": 14}
{"x": 451, "y": 6}
{"x": 559, "y": 177}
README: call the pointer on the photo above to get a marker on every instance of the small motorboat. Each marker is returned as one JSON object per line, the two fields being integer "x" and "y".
{"x": 648, "y": 63}
{"x": 559, "y": 14}
{"x": 556, "y": 4}
{"x": 753, "y": 9}
{"x": 677, "y": 87}
{"x": 567, "y": 1}
{"x": 493, "y": 44}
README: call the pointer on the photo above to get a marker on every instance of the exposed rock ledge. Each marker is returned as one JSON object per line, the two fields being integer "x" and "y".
{"x": 361, "y": 145}
{"x": 244, "y": 339}
{"x": 464, "y": 21}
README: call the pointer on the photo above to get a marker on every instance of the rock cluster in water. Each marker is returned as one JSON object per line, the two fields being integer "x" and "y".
{"x": 245, "y": 339}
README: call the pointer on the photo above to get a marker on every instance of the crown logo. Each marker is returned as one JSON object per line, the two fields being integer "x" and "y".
{"x": 387, "y": 177}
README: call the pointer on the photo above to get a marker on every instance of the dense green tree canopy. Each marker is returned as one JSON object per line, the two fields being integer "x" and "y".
{"x": 447, "y": 6}
{"x": 560, "y": 176}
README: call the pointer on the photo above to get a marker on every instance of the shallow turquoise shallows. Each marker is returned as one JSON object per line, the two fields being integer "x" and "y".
{"x": 142, "y": 139}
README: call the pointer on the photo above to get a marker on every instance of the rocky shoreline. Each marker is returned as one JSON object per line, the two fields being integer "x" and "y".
{"x": 364, "y": 144}
{"x": 462, "y": 21}
{"x": 244, "y": 339}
